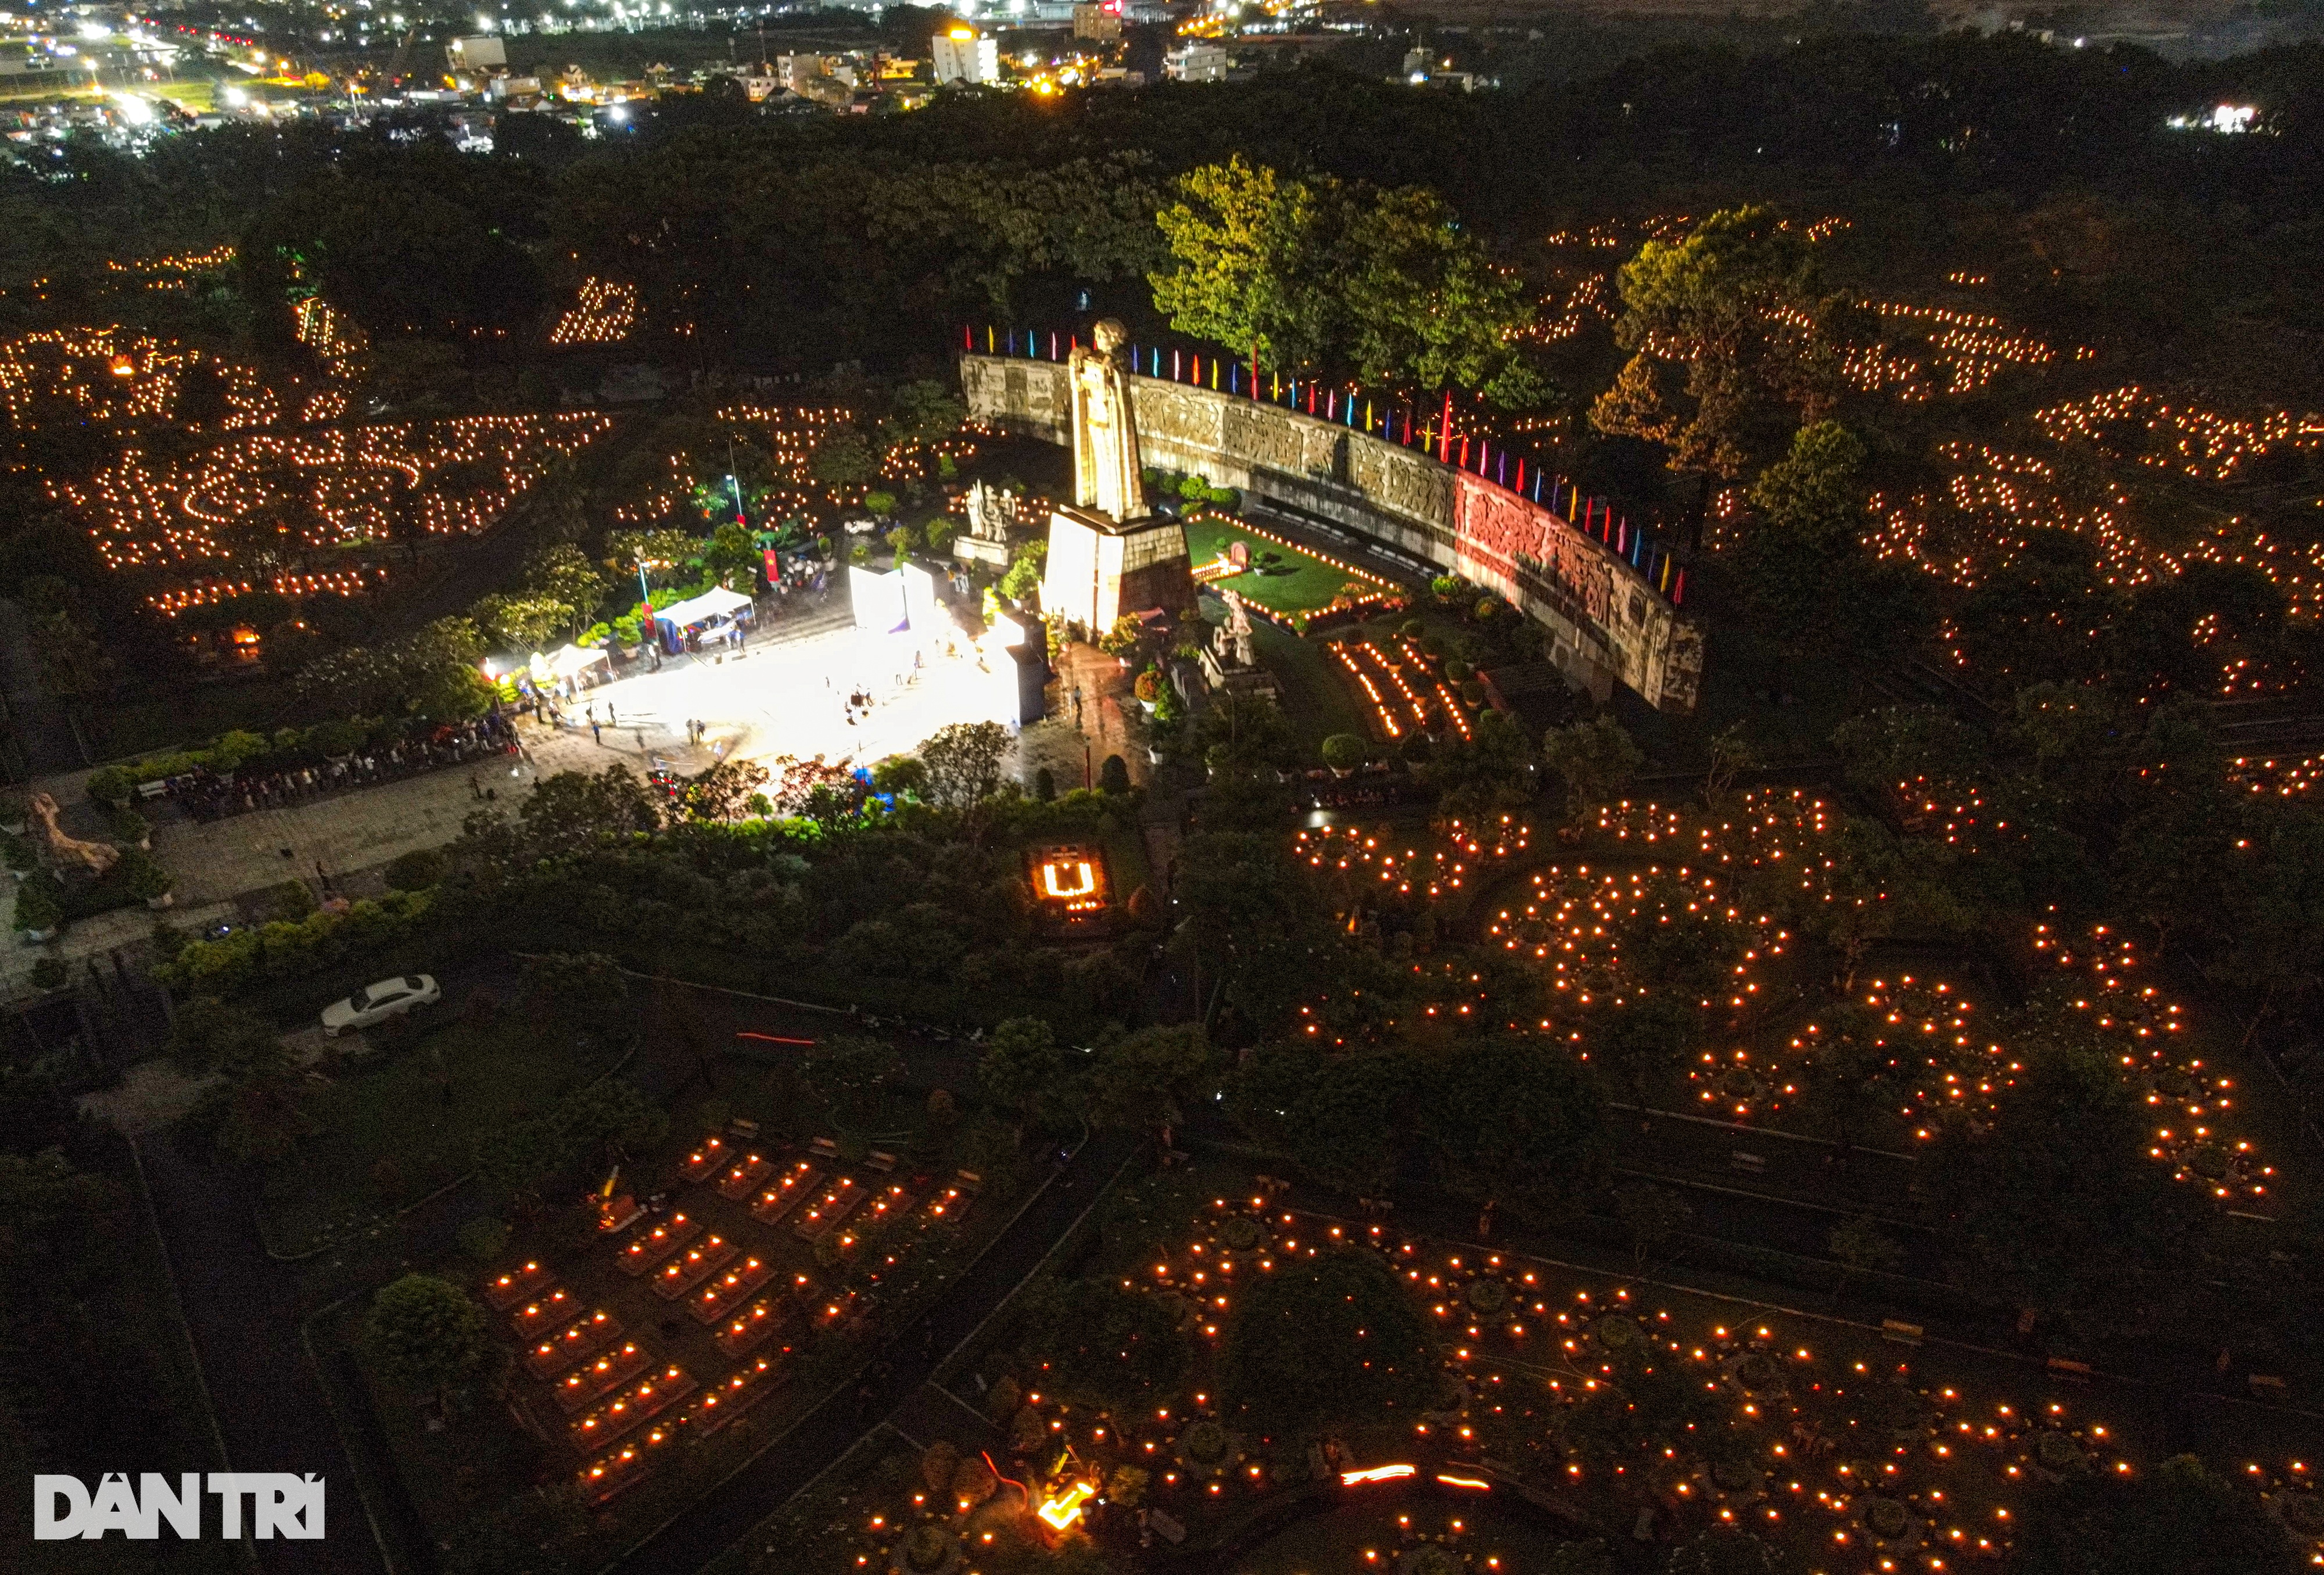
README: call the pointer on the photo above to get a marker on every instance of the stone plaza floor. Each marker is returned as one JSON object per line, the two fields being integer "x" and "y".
{"x": 786, "y": 693}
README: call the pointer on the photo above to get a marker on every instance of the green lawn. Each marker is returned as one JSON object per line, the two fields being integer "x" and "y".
{"x": 1300, "y": 584}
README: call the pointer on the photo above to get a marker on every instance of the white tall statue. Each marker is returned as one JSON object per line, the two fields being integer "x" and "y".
{"x": 1108, "y": 478}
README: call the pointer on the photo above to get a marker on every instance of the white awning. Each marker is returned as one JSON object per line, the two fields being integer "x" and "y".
{"x": 713, "y": 603}
{"x": 574, "y": 658}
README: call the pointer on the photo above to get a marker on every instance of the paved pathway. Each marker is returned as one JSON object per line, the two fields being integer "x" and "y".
{"x": 244, "y": 1311}
{"x": 1075, "y": 741}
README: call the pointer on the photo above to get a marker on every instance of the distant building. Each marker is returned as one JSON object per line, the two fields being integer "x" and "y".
{"x": 797, "y": 72}
{"x": 1101, "y": 22}
{"x": 1196, "y": 63}
{"x": 480, "y": 52}
{"x": 962, "y": 55}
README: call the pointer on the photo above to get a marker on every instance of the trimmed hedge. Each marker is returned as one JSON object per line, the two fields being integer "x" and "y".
{"x": 283, "y": 948}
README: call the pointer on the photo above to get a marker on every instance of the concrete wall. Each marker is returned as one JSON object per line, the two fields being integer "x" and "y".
{"x": 1607, "y": 623}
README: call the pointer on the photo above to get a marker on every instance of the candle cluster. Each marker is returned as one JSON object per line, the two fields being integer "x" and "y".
{"x": 321, "y": 489}
{"x": 2195, "y": 440}
{"x": 605, "y": 313}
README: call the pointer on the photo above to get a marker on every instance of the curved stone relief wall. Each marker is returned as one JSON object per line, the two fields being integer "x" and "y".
{"x": 1609, "y": 624}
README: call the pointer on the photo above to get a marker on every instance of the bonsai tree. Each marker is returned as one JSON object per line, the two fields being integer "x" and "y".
{"x": 882, "y": 504}
{"x": 131, "y": 829}
{"x": 1114, "y": 775}
{"x": 1343, "y": 751}
{"x": 145, "y": 875}
{"x": 49, "y": 974}
{"x": 111, "y": 785}
{"x": 40, "y": 905}
{"x": 427, "y": 1334}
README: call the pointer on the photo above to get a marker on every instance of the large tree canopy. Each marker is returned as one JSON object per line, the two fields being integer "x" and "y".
{"x": 1318, "y": 276}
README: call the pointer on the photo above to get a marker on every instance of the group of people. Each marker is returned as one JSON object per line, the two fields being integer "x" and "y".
{"x": 207, "y": 795}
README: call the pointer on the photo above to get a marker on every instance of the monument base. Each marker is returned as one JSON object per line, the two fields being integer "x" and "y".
{"x": 1252, "y": 680}
{"x": 978, "y": 550}
{"x": 1100, "y": 569}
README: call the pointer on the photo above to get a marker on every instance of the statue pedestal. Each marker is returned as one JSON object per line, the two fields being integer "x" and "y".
{"x": 1222, "y": 676}
{"x": 1100, "y": 569}
{"x": 980, "y": 549}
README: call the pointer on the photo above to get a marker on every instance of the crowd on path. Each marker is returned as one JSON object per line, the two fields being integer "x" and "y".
{"x": 205, "y": 795}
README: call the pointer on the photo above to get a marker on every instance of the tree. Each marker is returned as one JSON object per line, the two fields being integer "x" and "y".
{"x": 2054, "y": 1204}
{"x": 1343, "y": 751}
{"x": 1314, "y": 274}
{"x": 1259, "y": 929}
{"x": 1331, "y": 1336}
{"x": 1594, "y": 760}
{"x": 425, "y": 1334}
{"x": 605, "y": 1122}
{"x": 731, "y": 555}
{"x": 963, "y": 762}
{"x": 726, "y": 790}
{"x": 1876, "y": 885}
{"x": 1022, "y": 1069}
{"x": 1478, "y": 778}
{"x": 1633, "y": 1044}
{"x": 575, "y": 989}
{"x": 1735, "y": 304}
{"x": 1021, "y": 581}
{"x": 1244, "y": 240}
{"x": 1514, "y": 1120}
{"x": 922, "y": 413}
{"x": 40, "y": 906}
{"x": 645, "y": 551}
{"x": 901, "y": 775}
{"x": 1426, "y": 306}
{"x": 2177, "y": 1519}
{"x": 1805, "y": 573}
{"x": 1345, "y": 1118}
{"x": 570, "y": 811}
{"x": 208, "y": 1035}
{"x": 524, "y": 622}
{"x": 264, "y": 1116}
{"x": 1138, "y": 1079}
{"x": 1096, "y": 1341}
{"x": 563, "y": 573}
{"x": 1854, "y": 1078}
{"x": 401, "y": 253}
{"x": 843, "y": 459}
{"x": 1901, "y": 749}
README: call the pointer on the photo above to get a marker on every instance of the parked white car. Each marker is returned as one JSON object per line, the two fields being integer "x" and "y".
{"x": 390, "y": 998}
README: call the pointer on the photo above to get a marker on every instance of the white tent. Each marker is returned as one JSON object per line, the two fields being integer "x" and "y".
{"x": 570, "y": 661}
{"x": 715, "y": 602}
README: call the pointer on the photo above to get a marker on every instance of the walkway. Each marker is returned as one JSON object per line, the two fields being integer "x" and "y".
{"x": 242, "y": 1311}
